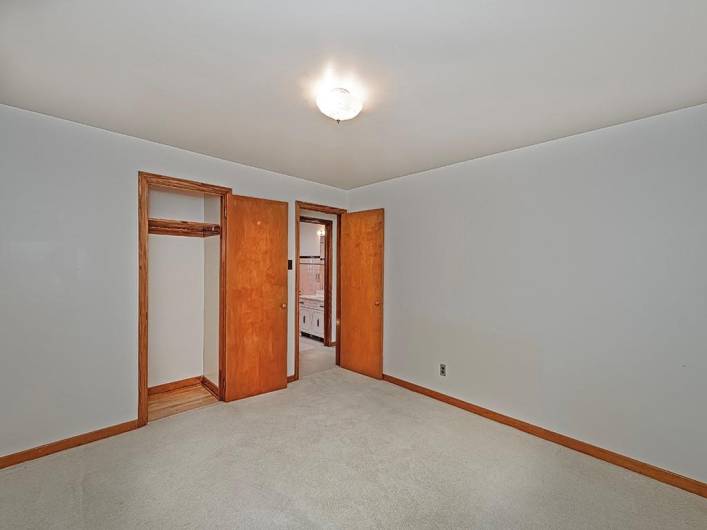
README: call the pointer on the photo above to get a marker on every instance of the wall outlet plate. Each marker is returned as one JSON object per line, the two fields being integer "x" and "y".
{"x": 443, "y": 370}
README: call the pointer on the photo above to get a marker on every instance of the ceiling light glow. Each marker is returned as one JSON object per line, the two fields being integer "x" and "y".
{"x": 339, "y": 104}
{"x": 339, "y": 97}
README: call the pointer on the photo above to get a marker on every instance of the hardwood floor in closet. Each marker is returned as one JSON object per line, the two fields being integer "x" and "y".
{"x": 179, "y": 400}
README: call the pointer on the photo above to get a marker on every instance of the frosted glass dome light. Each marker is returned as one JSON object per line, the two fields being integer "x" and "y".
{"x": 339, "y": 104}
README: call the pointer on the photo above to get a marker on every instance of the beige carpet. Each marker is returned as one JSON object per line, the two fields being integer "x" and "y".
{"x": 334, "y": 450}
{"x": 316, "y": 360}
{"x": 314, "y": 357}
{"x": 305, "y": 343}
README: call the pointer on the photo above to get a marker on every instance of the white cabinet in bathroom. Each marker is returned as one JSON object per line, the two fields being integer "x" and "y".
{"x": 305, "y": 319}
{"x": 318, "y": 323}
{"x": 311, "y": 310}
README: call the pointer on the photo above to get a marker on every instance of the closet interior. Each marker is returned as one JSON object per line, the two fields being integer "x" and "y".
{"x": 184, "y": 276}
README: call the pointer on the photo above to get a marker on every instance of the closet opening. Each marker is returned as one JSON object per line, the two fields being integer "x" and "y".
{"x": 181, "y": 345}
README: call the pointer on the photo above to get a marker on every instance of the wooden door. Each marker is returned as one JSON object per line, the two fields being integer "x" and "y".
{"x": 256, "y": 297}
{"x": 361, "y": 312}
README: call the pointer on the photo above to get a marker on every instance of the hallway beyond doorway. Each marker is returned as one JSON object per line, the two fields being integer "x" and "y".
{"x": 315, "y": 357}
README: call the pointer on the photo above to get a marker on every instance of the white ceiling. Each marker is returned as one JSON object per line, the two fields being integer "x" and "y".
{"x": 447, "y": 80}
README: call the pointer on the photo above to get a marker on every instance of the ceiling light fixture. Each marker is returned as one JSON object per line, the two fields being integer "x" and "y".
{"x": 339, "y": 104}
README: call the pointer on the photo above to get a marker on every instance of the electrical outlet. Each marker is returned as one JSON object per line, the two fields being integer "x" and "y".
{"x": 443, "y": 370}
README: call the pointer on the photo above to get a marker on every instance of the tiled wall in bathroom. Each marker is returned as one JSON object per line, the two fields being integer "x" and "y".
{"x": 311, "y": 275}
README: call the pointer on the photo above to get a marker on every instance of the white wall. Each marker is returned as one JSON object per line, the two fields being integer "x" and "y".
{"x": 212, "y": 271}
{"x": 179, "y": 205}
{"x": 309, "y": 239}
{"x": 68, "y": 263}
{"x": 564, "y": 284}
{"x": 176, "y": 308}
{"x": 176, "y": 292}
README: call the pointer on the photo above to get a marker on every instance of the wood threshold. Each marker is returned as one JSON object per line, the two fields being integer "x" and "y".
{"x": 166, "y": 387}
{"x": 67, "y": 443}
{"x": 292, "y": 378}
{"x": 171, "y": 227}
{"x": 179, "y": 400}
{"x": 662, "y": 475}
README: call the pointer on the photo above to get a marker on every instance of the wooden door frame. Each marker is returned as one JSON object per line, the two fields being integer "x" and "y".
{"x": 328, "y": 224}
{"x": 299, "y": 206}
{"x": 145, "y": 182}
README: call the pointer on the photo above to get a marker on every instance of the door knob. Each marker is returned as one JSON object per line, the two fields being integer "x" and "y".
{"x": 377, "y": 302}
{"x": 283, "y": 306}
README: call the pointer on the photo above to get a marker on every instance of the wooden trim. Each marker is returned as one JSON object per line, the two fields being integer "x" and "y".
{"x": 172, "y": 227}
{"x": 174, "y": 385}
{"x": 301, "y": 205}
{"x": 222, "y": 303}
{"x": 145, "y": 181}
{"x": 328, "y": 223}
{"x": 291, "y": 378}
{"x": 297, "y": 289}
{"x": 382, "y": 300}
{"x": 143, "y": 208}
{"x": 337, "y": 343}
{"x": 319, "y": 208}
{"x": 314, "y": 220}
{"x": 662, "y": 475}
{"x": 209, "y": 385}
{"x": 328, "y": 258}
{"x": 172, "y": 183}
{"x": 67, "y": 443}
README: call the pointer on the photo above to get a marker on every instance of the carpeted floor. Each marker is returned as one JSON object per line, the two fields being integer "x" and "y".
{"x": 334, "y": 450}
{"x": 305, "y": 343}
{"x": 314, "y": 357}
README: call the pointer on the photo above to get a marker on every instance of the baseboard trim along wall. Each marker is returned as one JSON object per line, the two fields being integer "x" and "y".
{"x": 174, "y": 385}
{"x": 291, "y": 378}
{"x": 67, "y": 443}
{"x": 662, "y": 475}
{"x": 210, "y": 386}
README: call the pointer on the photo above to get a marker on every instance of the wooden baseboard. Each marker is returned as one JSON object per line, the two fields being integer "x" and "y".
{"x": 291, "y": 378}
{"x": 662, "y": 475}
{"x": 67, "y": 443}
{"x": 210, "y": 386}
{"x": 166, "y": 387}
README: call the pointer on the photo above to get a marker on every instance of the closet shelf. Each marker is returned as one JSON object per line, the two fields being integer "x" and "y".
{"x": 171, "y": 227}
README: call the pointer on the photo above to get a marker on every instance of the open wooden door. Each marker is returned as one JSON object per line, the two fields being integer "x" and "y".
{"x": 256, "y": 297}
{"x": 361, "y": 298}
